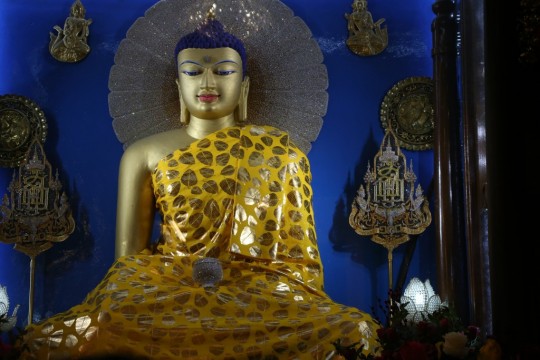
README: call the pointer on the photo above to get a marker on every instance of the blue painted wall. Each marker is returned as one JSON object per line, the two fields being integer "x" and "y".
{"x": 82, "y": 145}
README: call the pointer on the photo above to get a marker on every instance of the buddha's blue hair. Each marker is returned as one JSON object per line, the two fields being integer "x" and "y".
{"x": 211, "y": 35}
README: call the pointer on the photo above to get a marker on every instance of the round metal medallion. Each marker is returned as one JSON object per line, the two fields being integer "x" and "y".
{"x": 408, "y": 109}
{"x": 21, "y": 120}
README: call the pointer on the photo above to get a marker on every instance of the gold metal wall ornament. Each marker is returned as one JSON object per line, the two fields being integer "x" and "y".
{"x": 70, "y": 44}
{"x": 389, "y": 208}
{"x": 21, "y": 120}
{"x": 366, "y": 38}
{"x": 36, "y": 214}
{"x": 408, "y": 108}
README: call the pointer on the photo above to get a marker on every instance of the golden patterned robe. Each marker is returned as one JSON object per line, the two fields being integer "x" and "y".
{"x": 241, "y": 195}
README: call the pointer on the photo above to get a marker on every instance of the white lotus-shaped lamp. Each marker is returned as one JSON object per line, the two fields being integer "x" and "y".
{"x": 8, "y": 322}
{"x": 420, "y": 300}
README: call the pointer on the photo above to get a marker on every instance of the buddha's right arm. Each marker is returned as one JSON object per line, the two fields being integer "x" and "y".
{"x": 135, "y": 207}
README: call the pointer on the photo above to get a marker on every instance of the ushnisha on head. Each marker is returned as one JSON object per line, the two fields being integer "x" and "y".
{"x": 211, "y": 35}
{"x": 212, "y": 74}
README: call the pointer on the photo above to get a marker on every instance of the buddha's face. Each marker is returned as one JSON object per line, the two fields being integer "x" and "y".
{"x": 210, "y": 81}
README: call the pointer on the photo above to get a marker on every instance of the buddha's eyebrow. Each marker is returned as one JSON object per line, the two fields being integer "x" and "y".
{"x": 217, "y": 63}
{"x": 226, "y": 61}
{"x": 190, "y": 62}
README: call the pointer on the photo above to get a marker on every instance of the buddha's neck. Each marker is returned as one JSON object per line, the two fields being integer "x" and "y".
{"x": 200, "y": 128}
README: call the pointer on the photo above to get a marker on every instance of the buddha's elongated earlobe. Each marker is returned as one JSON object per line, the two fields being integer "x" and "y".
{"x": 243, "y": 101}
{"x": 184, "y": 112}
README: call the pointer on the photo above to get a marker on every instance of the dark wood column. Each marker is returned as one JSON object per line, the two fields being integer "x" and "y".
{"x": 449, "y": 193}
{"x": 487, "y": 90}
{"x": 475, "y": 160}
{"x": 486, "y": 152}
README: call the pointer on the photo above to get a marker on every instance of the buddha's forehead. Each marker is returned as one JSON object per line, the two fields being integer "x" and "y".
{"x": 209, "y": 55}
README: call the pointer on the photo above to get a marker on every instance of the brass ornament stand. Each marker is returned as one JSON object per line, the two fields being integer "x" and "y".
{"x": 389, "y": 208}
{"x": 36, "y": 214}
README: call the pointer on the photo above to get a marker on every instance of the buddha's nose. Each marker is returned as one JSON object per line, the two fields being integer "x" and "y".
{"x": 208, "y": 80}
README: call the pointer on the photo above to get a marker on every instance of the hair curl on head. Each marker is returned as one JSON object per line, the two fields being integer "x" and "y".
{"x": 211, "y": 35}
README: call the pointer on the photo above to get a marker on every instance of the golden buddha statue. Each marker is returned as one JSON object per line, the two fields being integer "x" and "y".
{"x": 235, "y": 193}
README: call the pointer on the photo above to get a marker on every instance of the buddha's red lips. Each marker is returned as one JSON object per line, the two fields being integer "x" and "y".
{"x": 208, "y": 98}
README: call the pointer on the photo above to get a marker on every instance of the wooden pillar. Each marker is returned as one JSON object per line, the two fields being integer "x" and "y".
{"x": 448, "y": 189}
{"x": 478, "y": 203}
{"x": 479, "y": 244}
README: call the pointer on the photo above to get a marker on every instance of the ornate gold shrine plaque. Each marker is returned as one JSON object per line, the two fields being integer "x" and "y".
{"x": 408, "y": 109}
{"x": 21, "y": 121}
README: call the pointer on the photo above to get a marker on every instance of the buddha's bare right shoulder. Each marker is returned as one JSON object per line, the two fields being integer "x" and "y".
{"x": 149, "y": 150}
